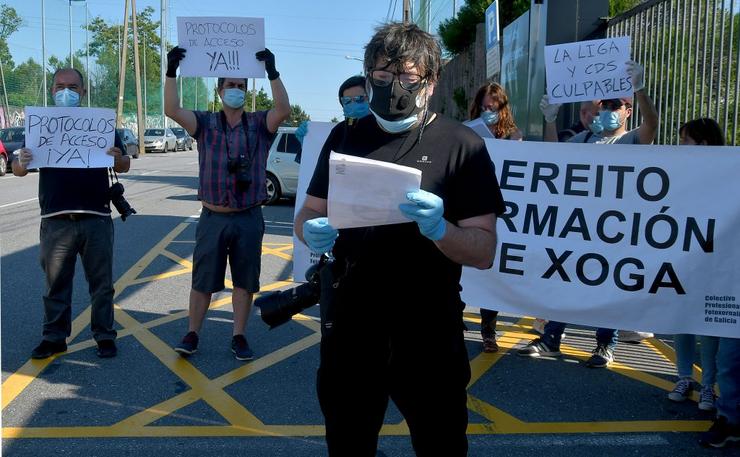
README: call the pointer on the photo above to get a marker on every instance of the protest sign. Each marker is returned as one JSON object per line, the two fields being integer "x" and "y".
{"x": 317, "y": 134}
{"x": 624, "y": 236}
{"x": 70, "y": 137}
{"x": 221, "y": 46}
{"x": 588, "y": 70}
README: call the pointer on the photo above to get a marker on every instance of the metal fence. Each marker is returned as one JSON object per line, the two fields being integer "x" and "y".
{"x": 691, "y": 56}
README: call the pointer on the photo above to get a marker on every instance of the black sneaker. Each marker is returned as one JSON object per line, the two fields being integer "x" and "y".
{"x": 48, "y": 348}
{"x": 537, "y": 348}
{"x": 107, "y": 349}
{"x": 240, "y": 348}
{"x": 720, "y": 433}
{"x": 601, "y": 357}
{"x": 188, "y": 345}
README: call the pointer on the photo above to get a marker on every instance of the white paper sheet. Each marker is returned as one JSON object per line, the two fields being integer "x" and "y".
{"x": 479, "y": 127}
{"x": 365, "y": 192}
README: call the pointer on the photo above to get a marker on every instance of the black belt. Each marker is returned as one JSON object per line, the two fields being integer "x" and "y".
{"x": 73, "y": 216}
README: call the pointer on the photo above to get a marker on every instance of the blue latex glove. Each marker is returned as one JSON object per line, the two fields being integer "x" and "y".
{"x": 319, "y": 235}
{"x": 427, "y": 210}
{"x": 302, "y": 131}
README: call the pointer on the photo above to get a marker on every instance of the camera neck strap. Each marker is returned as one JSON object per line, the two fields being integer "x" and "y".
{"x": 113, "y": 175}
{"x": 224, "y": 129}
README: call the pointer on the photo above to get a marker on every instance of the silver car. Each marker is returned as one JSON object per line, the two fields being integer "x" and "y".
{"x": 159, "y": 140}
{"x": 282, "y": 169}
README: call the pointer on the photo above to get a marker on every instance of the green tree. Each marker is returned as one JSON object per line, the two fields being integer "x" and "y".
{"x": 10, "y": 22}
{"x": 297, "y": 115}
{"x": 617, "y": 7}
{"x": 458, "y": 33}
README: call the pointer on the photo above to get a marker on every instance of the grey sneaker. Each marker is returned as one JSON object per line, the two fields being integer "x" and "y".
{"x": 706, "y": 398}
{"x": 601, "y": 357}
{"x": 629, "y": 336}
{"x": 682, "y": 390}
{"x": 536, "y": 348}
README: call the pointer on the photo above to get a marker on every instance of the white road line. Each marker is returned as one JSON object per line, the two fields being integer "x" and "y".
{"x": 19, "y": 203}
{"x": 149, "y": 172}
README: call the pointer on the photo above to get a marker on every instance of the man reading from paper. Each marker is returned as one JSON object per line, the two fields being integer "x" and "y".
{"x": 370, "y": 336}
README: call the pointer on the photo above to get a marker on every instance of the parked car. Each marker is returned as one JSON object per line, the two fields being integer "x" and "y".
{"x": 282, "y": 169}
{"x": 13, "y": 138}
{"x": 130, "y": 141}
{"x": 159, "y": 140}
{"x": 184, "y": 140}
{"x": 4, "y": 162}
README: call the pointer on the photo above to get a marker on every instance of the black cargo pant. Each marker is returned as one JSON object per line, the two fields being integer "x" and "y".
{"x": 62, "y": 238}
{"x": 408, "y": 348}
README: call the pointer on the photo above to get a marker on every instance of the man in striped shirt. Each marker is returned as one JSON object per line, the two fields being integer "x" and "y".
{"x": 232, "y": 154}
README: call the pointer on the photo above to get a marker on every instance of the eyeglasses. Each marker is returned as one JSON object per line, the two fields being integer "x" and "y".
{"x": 408, "y": 81}
{"x": 357, "y": 99}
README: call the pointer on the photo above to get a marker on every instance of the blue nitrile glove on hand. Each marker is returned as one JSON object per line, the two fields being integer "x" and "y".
{"x": 427, "y": 210}
{"x": 319, "y": 235}
{"x": 302, "y": 131}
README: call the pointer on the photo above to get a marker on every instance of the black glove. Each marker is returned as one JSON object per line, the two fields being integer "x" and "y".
{"x": 269, "y": 59}
{"x": 174, "y": 57}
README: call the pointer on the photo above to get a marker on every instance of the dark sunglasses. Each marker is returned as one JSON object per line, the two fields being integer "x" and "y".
{"x": 345, "y": 100}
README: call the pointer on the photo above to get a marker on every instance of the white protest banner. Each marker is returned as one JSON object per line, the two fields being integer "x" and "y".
{"x": 620, "y": 236}
{"x": 70, "y": 137}
{"x": 221, "y": 46}
{"x": 588, "y": 70}
{"x": 493, "y": 54}
{"x": 314, "y": 140}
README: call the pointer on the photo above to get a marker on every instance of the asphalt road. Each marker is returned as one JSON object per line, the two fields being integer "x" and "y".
{"x": 149, "y": 402}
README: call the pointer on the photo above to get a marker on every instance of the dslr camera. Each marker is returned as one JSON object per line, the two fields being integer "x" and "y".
{"x": 116, "y": 197}
{"x": 279, "y": 307}
{"x": 240, "y": 167}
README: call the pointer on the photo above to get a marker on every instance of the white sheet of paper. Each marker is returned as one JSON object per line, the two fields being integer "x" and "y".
{"x": 479, "y": 127}
{"x": 365, "y": 192}
{"x": 70, "y": 137}
{"x": 221, "y": 46}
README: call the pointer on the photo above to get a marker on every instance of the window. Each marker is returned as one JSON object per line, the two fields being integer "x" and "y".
{"x": 289, "y": 144}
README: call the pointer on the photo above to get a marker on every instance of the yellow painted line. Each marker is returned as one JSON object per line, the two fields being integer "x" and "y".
{"x": 18, "y": 381}
{"x": 669, "y": 354}
{"x": 278, "y": 244}
{"x": 501, "y": 421}
{"x": 277, "y": 253}
{"x": 158, "y": 277}
{"x": 177, "y": 259}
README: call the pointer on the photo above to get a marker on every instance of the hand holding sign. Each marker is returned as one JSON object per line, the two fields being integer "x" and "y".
{"x": 174, "y": 57}
{"x": 637, "y": 74}
{"x": 268, "y": 58}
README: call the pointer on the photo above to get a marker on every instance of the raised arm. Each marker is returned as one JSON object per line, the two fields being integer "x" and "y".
{"x": 281, "y": 110}
{"x": 172, "y": 108}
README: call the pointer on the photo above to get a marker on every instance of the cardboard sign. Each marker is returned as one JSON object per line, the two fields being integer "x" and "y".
{"x": 221, "y": 46}
{"x": 588, "y": 70}
{"x": 70, "y": 137}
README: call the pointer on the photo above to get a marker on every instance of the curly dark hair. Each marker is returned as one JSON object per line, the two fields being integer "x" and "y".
{"x": 506, "y": 125}
{"x": 399, "y": 43}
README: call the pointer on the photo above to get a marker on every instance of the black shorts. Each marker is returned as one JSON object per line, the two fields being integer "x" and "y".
{"x": 236, "y": 236}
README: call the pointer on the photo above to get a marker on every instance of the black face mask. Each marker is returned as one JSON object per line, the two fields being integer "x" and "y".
{"x": 393, "y": 102}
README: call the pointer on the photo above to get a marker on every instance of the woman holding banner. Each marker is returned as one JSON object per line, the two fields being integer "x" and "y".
{"x": 491, "y": 104}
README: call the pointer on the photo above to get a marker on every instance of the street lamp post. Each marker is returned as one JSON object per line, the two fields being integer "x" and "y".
{"x": 71, "y": 62}
{"x": 43, "y": 49}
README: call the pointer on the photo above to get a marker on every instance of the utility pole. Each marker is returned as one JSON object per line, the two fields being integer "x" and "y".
{"x": 254, "y": 94}
{"x": 122, "y": 73}
{"x": 87, "y": 54}
{"x": 197, "y": 80}
{"x": 406, "y": 11}
{"x": 163, "y": 54}
{"x": 137, "y": 72}
{"x": 5, "y": 91}
{"x": 146, "y": 114}
{"x": 43, "y": 50}
{"x": 71, "y": 61}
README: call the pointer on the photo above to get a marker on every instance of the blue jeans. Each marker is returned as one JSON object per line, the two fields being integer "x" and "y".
{"x": 728, "y": 377}
{"x": 685, "y": 346}
{"x": 554, "y": 331}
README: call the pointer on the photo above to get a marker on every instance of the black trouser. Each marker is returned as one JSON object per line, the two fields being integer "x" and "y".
{"x": 411, "y": 350}
{"x": 488, "y": 322}
{"x": 62, "y": 239}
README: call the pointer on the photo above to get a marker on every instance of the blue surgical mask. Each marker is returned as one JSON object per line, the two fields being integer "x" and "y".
{"x": 490, "y": 117}
{"x": 356, "y": 110}
{"x": 396, "y": 126}
{"x": 595, "y": 125}
{"x": 67, "y": 98}
{"x": 233, "y": 98}
{"x": 609, "y": 120}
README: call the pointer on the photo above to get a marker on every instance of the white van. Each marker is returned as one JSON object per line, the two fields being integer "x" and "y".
{"x": 282, "y": 169}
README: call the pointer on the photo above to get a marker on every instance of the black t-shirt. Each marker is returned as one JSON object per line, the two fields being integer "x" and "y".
{"x": 75, "y": 190}
{"x": 455, "y": 166}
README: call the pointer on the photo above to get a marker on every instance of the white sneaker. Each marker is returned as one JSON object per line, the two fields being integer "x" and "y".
{"x": 628, "y": 336}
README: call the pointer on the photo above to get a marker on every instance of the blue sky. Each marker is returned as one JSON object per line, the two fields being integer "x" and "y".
{"x": 309, "y": 38}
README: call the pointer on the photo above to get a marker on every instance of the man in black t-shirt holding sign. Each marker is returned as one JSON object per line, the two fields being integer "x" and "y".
{"x": 392, "y": 326}
{"x": 75, "y": 219}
